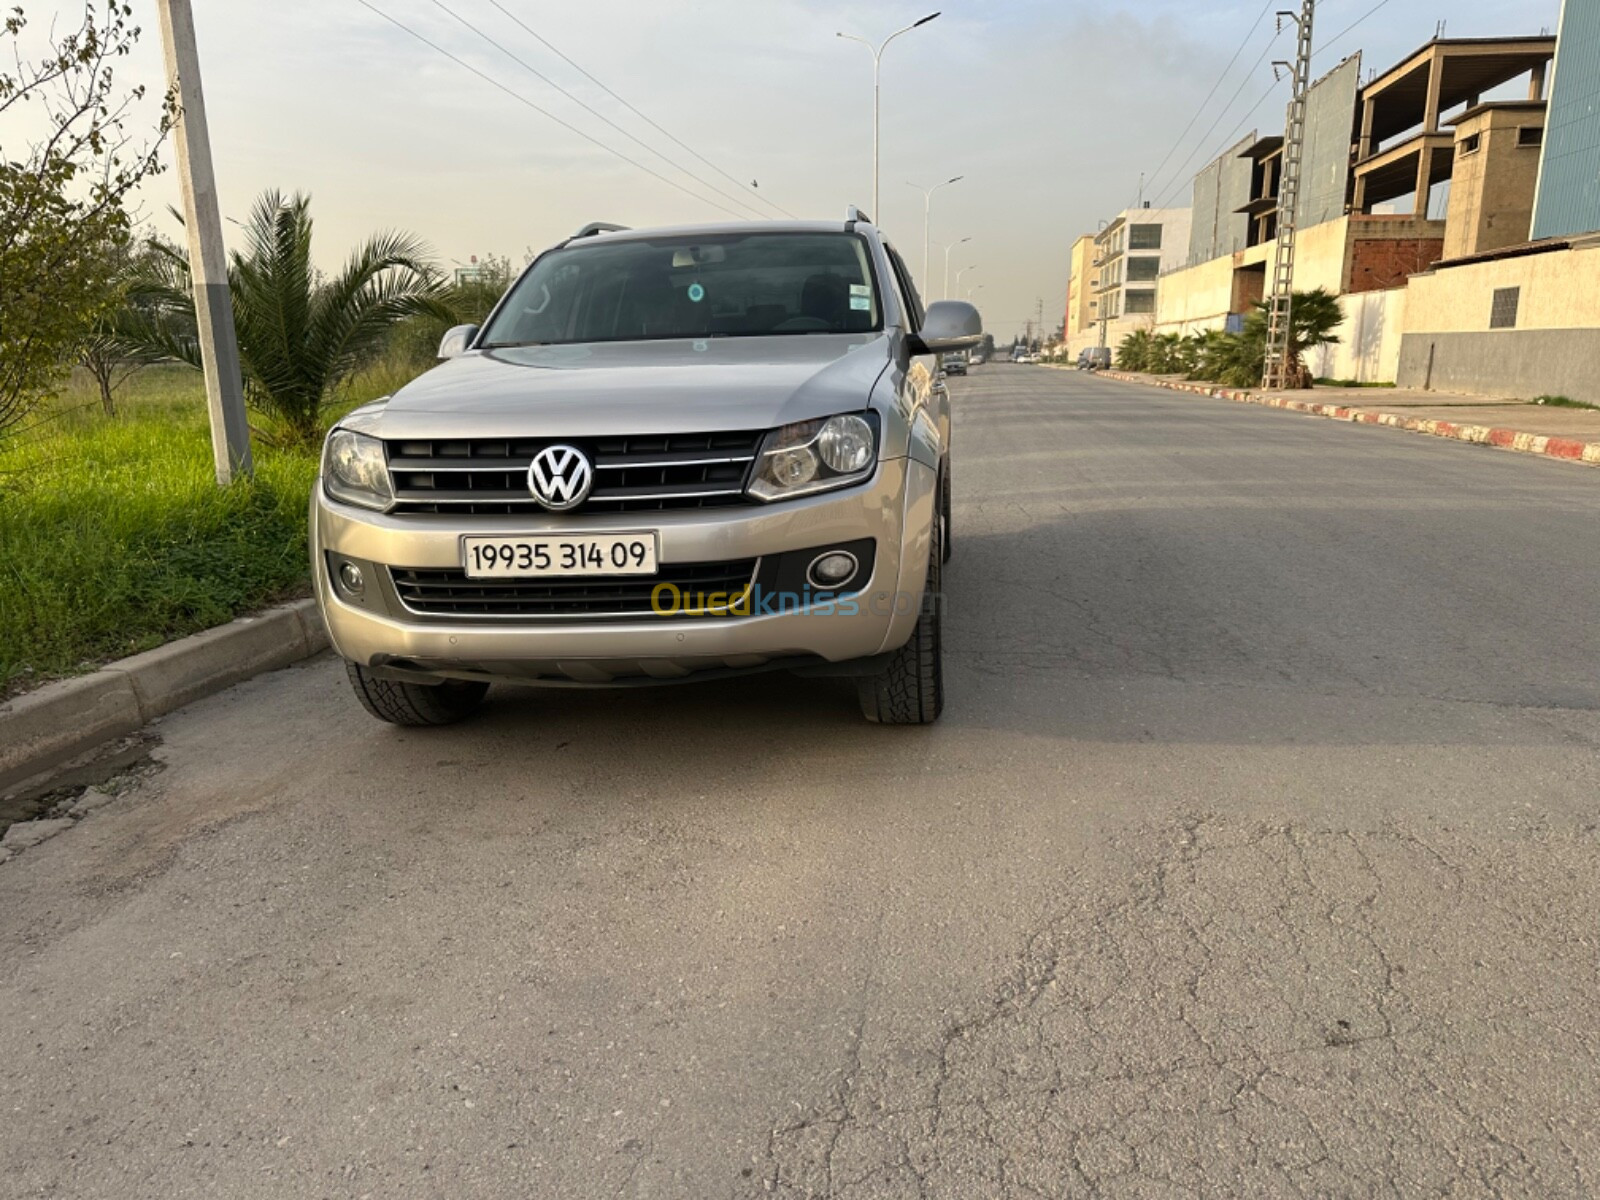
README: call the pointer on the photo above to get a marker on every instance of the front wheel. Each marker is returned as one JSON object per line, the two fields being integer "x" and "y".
{"x": 402, "y": 703}
{"x": 910, "y": 690}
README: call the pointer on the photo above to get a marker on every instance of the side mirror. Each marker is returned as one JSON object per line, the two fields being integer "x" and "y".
{"x": 949, "y": 325}
{"x": 456, "y": 340}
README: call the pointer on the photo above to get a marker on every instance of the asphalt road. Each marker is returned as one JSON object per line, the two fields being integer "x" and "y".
{"x": 1256, "y": 855}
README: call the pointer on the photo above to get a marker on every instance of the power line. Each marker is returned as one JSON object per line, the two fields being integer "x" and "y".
{"x": 592, "y": 111}
{"x": 1327, "y": 45}
{"x": 545, "y": 42}
{"x": 1243, "y": 83}
{"x": 521, "y": 99}
{"x": 1352, "y": 25}
{"x": 1156, "y": 174}
{"x": 1243, "y": 121}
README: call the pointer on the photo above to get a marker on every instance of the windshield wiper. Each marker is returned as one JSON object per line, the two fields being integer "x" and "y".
{"x": 510, "y": 345}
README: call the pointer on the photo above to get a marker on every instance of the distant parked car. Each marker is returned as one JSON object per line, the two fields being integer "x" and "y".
{"x": 955, "y": 363}
{"x": 1094, "y": 358}
{"x": 978, "y": 360}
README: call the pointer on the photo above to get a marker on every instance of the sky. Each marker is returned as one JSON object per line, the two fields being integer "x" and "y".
{"x": 1049, "y": 110}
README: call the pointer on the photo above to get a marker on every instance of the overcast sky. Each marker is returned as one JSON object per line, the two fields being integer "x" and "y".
{"x": 1049, "y": 109}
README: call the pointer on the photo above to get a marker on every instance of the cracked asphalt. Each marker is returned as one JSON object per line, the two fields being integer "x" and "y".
{"x": 1258, "y": 854}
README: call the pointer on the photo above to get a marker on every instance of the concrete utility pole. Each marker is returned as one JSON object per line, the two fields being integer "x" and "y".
{"x": 1280, "y": 313}
{"x": 208, "y": 262}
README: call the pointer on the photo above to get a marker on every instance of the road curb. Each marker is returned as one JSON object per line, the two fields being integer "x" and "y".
{"x": 44, "y": 728}
{"x": 1566, "y": 449}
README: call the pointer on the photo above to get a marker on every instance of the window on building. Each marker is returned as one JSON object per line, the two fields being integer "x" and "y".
{"x": 1469, "y": 145}
{"x": 1144, "y": 237}
{"x": 1140, "y": 302}
{"x": 1503, "y": 309}
{"x": 1143, "y": 269}
{"x": 1530, "y": 135}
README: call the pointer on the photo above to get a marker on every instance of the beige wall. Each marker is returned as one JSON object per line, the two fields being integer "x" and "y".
{"x": 1080, "y": 288}
{"x": 1201, "y": 297}
{"x": 1195, "y": 298}
{"x": 1491, "y": 188}
{"x": 1369, "y": 340}
{"x": 1560, "y": 289}
{"x": 1320, "y": 256}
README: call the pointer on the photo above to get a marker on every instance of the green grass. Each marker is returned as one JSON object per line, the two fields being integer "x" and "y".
{"x": 1349, "y": 383}
{"x": 115, "y": 538}
{"x": 1563, "y": 402}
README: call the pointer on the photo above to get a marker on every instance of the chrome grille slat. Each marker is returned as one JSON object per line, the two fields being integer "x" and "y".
{"x": 637, "y": 473}
{"x": 450, "y": 593}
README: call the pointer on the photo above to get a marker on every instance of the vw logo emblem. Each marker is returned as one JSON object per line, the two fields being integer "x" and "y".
{"x": 560, "y": 477}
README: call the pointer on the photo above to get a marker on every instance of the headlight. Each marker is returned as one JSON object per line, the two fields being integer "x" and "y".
{"x": 815, "y": 456}
{"x": 355, "y": 470}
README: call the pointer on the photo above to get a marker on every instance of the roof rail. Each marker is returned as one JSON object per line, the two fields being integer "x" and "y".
{"x": 852, "y": 214}
{"x": 594, "y": 227}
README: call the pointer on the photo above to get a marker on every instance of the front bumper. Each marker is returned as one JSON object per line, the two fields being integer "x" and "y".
{"x": 895, "y": 508}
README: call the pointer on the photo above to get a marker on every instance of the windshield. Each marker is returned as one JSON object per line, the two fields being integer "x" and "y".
{"x": 726, "y": 285}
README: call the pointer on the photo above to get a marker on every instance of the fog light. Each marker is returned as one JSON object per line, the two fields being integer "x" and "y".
{"x": 831, "y": 569}
{"x": 351, "y": 579}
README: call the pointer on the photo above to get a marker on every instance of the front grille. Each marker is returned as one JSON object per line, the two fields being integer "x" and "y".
{"x": 632, "y": 474}
{"x": 450, "y": 593}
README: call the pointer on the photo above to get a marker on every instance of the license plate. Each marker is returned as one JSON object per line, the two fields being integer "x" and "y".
{"x": 559, "y": 554}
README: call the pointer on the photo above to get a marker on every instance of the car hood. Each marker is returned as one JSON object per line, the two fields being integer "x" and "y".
{"x": 638, "y": 387}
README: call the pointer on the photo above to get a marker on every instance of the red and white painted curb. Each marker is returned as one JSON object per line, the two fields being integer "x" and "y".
{"x": 1567, "y": 449}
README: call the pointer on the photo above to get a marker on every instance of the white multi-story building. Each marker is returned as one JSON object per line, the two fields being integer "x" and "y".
{"x": 1130, "y": 255}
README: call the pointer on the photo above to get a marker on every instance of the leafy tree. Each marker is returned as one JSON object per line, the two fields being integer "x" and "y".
{"x": 64, "y": 196}
{"x": 114, "y": 346}
{"x": 301, "y": 336}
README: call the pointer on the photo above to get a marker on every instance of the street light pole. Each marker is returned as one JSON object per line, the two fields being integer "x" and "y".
{"x": 962, "y": 272}
{"x": 945, "y": 294}
{"x": 208, "y": 262}
{"x": 877, "y": 61}
{"x": 927, "y": 215}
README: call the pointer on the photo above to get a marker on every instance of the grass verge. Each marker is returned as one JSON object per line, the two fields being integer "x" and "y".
{"x": 115, "y": 538}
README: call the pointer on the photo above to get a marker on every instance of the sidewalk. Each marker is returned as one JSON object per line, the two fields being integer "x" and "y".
{"x": 1572, "y": 434}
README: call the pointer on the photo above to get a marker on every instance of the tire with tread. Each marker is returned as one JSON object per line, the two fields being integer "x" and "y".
{"x": 910, "y": 690}
{"x": 402, "y": 703}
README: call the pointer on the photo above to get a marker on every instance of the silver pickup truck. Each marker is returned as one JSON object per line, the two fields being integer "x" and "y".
{"x": 668, "y": 454}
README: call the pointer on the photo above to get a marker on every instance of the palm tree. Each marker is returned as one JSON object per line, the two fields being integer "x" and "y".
{"x": 1164, "y": 351}
{"x": 1133, "y": 353}
{"x": 301, "y": 335}
{"x": 1238, "y": 359}
{"x": 1313, "y": 317}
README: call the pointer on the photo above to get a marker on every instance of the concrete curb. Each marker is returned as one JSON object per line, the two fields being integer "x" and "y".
{"x": 44, "y": 728}
{"x": 1566, "y": 449}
